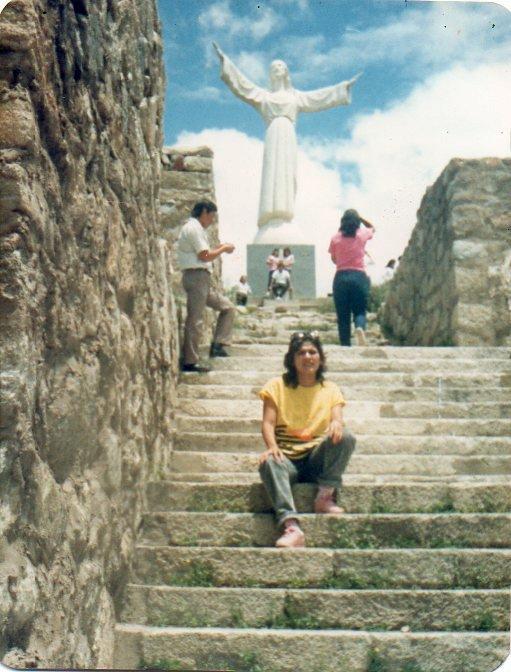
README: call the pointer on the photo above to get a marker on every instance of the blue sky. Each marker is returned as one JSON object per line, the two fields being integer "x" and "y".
{"x": 436, "y": 84}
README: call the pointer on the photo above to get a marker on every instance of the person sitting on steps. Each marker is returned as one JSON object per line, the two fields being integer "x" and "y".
{"x": 280, "y": 281}
{"x": 304, "y": 435}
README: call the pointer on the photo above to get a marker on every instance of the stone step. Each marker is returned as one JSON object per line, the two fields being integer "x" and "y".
{"x": 377, "y": 426}
{"x": 314, "y": 609}
{"x": 251, "y": 649}
{"x": 272, "y": 365}
{"x": 355, "y": 409}
{"x": 382, "y": 394}
{"x": 244, "y": 529}
{"x": 387, "y": 352}
{"x": 491, "y": 494}
{"x": 251, "y": 478}
{"x": 322, "y": 568}
{"x": 468, "y": 530}
{"x": 367, "y": 444}
{"x": 440, "y": 381}
{"x": 397, "y": 463}
{"x": 279, "y": 340}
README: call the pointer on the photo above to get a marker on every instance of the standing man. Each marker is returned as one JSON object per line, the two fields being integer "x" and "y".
{"x": 195, "y": 261}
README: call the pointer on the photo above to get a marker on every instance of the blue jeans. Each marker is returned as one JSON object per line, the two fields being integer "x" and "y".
{"x": 351, "y": 291}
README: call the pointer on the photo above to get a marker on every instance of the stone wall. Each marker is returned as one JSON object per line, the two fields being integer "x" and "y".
{"x": 88, "y": 330}
{"x": 187, "y": 177}
{"x": 453, "y": 285}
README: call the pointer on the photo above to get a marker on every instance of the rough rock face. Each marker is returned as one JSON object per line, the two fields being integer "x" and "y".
{"x": 453, "y": 284}
{"x": 187, "y": 177}
{"x": 88, "y": 335}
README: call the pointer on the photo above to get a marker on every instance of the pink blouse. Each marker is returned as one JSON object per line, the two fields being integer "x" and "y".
{"x": 348, "y": 253}
{"x": 272, "y": 262}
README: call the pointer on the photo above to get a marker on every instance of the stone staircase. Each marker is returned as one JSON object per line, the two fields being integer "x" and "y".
{"x": 413, "y": 579}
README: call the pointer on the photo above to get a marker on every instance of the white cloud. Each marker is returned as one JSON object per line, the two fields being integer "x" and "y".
{"x": 398, "y": 152}
{"x": 219, "y": 17}
{"x": 302, "y": 5}
{"x": 253, "y": 65}
{"x": 422, "y": 39}
{"x": 205, "y": 93}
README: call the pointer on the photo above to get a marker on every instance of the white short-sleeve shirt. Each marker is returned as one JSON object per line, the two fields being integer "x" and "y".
{"x": 192, "y": 240}
{"x": 281, "y": 277}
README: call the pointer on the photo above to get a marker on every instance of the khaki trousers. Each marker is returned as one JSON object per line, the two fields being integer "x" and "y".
{"x": 196, "y": 283}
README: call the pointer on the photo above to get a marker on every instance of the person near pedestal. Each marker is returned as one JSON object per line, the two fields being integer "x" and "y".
{"x": 389, "y": 271}
{"x": 280, "y": 281}
{"x": 304, "y": 434}
{"x": 242, "y": 290}
{"x": 351, "y": 282}
{"x": 289, "y": 260}
{"x": 195, "y": 261}
{"x": 272, "y": 262}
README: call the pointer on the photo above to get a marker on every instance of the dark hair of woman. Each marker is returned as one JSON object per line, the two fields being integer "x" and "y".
{"x": 287, "y": 251}
{"x": 276, "y": 252}
{"x": 199, "y": 208}
{"x": 350, "y": 222}
{"x": 290, "y": 377}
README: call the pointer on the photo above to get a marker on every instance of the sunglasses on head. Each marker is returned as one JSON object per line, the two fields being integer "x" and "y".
{"x": 305, "y": 335}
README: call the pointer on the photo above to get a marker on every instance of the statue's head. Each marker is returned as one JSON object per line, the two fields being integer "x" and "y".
{"x": 279, "y": 76}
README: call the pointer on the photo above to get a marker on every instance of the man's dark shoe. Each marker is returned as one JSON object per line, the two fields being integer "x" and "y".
{"x": 218, "y": 350}
{"x": 195, "y": 368}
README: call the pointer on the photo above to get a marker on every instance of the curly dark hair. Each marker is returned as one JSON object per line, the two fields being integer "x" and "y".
{"x": 200, "y": 206}
{"x": 290, "y": 377}
{"x": 350, "y": 222}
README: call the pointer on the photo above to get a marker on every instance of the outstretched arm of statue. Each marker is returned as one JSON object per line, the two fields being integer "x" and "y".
{"x": 327, "y": 97}
{"x": 240, "y": 85}
{"x": 219, "y": 52}
{"x": 352, "y": 81}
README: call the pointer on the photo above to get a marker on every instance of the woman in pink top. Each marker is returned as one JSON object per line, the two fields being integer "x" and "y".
{"x": 272, "y": 262}
{"x": 351, "y": 283}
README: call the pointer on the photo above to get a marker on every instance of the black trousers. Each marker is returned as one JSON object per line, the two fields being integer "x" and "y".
{"x": 351, "y": 292}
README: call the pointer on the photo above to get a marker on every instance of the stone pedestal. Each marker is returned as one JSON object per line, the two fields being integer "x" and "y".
{"x": 303, "y": 275}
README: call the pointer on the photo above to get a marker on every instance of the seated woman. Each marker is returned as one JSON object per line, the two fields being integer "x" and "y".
{"x": 304, "y": 435}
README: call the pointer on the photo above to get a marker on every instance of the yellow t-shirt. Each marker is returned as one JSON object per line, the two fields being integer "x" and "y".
{"x": 303, "y": 414}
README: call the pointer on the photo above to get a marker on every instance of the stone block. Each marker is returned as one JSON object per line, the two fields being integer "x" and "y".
{"x": 473, "y": 282}
{"x": 474, "y": 319}
{"x": 17, "y": 123}
{"x": 473, "y": 250}
{"x": 198, "y": 164}
{"x": 186, "y": 181}
{"x": 188, "y": 151}
{"x": 18, "y": 26}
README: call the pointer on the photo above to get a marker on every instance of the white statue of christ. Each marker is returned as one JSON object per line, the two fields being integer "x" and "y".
{"x": 279, "y": 107}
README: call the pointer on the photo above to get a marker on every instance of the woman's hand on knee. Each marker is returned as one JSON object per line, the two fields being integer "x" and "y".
{"x": 335, "y": 430}
{"x": 276, "y": 453}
